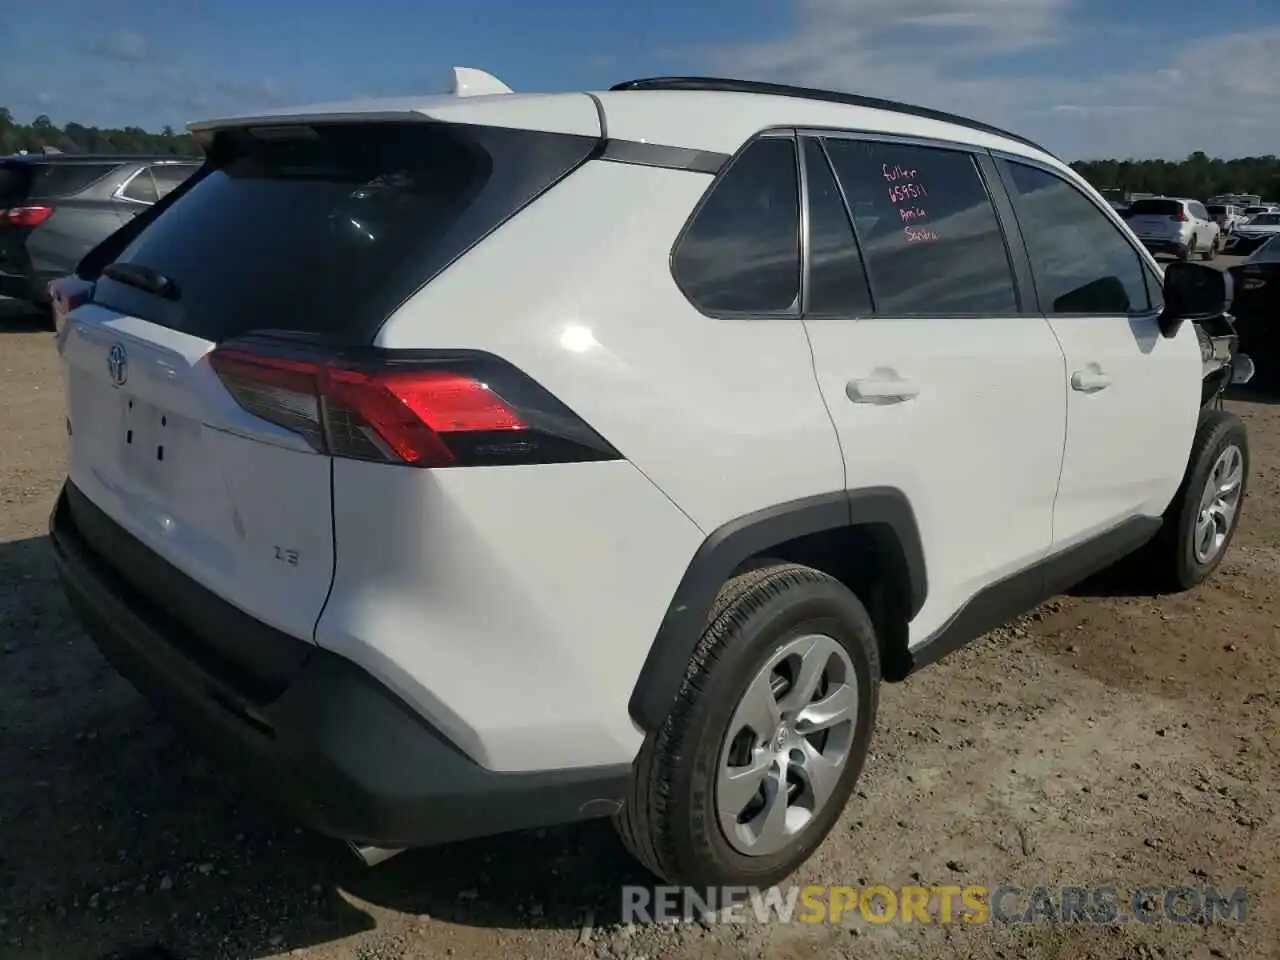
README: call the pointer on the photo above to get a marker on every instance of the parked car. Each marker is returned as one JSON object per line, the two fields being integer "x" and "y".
{"x": 1249, "y": 236}
{"x": 1175, "y": 225}
{"x": 457, "y": 466}
{"x": 1227, "y": 216}
{"x": 1257, "y": 209}
{"x": 54, "y": 208}
{"x": 1256, "y": 305}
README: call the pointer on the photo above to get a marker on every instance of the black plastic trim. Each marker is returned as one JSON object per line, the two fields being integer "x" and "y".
{"x": 725, "y": 85}
{"x": 341, "y": 752}
{"x": 1024, "y": 591}
{"x": 729, "y": 546}
{"x": 661, "y": 155}
{"x": 256, "y": 660}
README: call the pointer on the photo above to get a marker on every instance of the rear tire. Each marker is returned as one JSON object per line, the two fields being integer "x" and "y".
{"x": 747, "y": 776}
{"x": 1204, "y": 514}
{"x": 1184, "y": 252}
{"x": 1211, "y": 252}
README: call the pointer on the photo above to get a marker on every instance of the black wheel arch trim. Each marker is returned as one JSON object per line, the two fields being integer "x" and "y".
{"x": 726, "y": 549}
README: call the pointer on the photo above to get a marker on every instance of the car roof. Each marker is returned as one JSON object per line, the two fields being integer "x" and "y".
{"x": 699, "y": 113}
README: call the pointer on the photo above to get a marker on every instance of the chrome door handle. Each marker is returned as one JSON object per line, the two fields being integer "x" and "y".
{"x": 1090, "y": 380}
{"x": 888, "y": 389}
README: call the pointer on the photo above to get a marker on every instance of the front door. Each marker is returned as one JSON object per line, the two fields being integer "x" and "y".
{"x": 1134, "y": 397}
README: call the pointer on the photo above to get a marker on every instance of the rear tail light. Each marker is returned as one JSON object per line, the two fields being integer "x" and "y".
{"x": 1181, "y": 216}
{"x": 435, "y": 409}
{"x": 25, "y": 216}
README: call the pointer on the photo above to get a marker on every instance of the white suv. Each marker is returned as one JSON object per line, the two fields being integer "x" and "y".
{"x": 486, "y": 461}
{"x": 1173, "y": 225}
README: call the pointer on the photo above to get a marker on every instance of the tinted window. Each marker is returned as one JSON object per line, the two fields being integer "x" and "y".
{"x": 1161, "y": 208}
{"x": 54, "y": 180}
{"x": 927, "y": 228}
{"x": 741, "y": 253}
{"x": 1216, "y": 209}
{"x": 1267, "y": 219}
{"x": 327, "y": 229}
{"x": 1082, "y": 262}
{"x": 169, "y": 175}
{"x": 837, "y": 280}
{"x": 141, "y": 188}
{"x": 13, "y": 182}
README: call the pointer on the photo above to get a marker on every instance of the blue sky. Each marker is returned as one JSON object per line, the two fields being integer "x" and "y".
{"x": 1088, "y": 77}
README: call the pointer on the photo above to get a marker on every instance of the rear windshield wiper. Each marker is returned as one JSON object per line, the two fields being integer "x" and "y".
{"x": 144, "y": 278}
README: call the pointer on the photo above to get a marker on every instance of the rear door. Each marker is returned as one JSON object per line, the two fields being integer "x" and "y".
{"x": 315, "y": 232}
{"x": 938, "y": 381}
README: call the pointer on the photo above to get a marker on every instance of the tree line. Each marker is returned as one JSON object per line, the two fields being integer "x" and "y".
{"x": 34, "y": 137}
{"x": 1199, "y": 176}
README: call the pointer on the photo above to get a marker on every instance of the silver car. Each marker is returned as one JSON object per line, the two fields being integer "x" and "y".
{"x": 1175, "y": 225}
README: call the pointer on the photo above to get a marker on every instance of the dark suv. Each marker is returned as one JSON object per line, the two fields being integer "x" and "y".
{"x": 55, "y": 208}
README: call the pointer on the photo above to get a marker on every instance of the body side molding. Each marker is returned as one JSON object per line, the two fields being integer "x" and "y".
{"x": 1022, "y": 592}
{"x": 726, "y": 548}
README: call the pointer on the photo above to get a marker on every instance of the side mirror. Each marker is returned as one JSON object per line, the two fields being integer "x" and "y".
{"x": 1193, "y": 292}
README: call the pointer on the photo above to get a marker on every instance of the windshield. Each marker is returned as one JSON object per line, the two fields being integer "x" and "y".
{"x": 1163, "y": 208}
{"x": 1266, "y": 220}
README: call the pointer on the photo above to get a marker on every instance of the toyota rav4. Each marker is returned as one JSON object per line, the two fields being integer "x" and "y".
{"x": 486, "y": 461}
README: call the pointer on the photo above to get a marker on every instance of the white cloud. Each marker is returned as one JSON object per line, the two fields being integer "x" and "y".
{"x": 1216, "y": 94}
{"x": 126, "y": 46}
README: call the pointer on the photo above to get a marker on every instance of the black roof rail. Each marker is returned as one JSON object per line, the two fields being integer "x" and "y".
{"x": 724, "y": 85}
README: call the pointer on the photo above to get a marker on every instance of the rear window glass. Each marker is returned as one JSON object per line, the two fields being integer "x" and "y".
{"x": 62, "y": 180}
{"x": 13, "y": 182}
{"x": 1165, "y": 208}
{"x": 1216, "y": 208}
{"x": 327, "y": 229}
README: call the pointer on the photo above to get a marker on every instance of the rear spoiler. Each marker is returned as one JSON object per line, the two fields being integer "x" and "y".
{"x": 465, "y": 82}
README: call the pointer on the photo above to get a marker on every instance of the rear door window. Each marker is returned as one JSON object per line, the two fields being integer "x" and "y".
{"x": 837, "y": 278}
{"x": 927, "y": 227}
{"x": 57, "y": 180}
{"x": 326, "y": 229}
{"x": 741, "y": 252}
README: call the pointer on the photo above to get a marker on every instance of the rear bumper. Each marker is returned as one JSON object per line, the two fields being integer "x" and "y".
{"x": 336, "y": 747}
{"x": 28, "y": 287}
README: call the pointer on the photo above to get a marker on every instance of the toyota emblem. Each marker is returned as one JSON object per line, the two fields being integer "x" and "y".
{"x": 118, "y": 364}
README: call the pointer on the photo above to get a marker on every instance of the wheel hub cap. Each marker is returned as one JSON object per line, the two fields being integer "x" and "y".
{"x": 786, "y": 745}
{"x": 1219, "y": 505}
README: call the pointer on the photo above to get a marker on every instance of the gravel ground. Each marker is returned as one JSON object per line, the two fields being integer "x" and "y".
{"x": 1103, "y": 739}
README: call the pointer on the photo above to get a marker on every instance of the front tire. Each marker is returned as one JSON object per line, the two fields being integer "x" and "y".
{"x": 1203, "y": 517}
{"x": 766, "y": 738}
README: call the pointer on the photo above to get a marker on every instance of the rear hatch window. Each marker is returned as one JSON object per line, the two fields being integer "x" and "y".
{"x": 1149, "y": 208}
{"x": 326, "y": 229}
{"x": 53, "y": 181}
{"x": 14, "y": 180}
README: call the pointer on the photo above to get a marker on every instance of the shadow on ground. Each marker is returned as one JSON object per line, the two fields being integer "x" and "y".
{"x": 116, "y": 835}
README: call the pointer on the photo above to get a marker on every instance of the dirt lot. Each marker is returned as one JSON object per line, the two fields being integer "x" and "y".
{"x": 1103, "y": 740}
